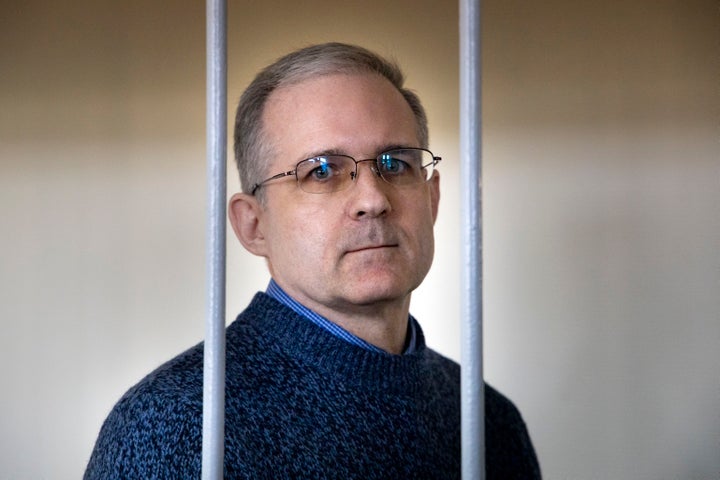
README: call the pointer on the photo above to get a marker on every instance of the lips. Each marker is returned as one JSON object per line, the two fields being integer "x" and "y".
{"x": 374, "y": 238}
{"x": 371, "y": 247}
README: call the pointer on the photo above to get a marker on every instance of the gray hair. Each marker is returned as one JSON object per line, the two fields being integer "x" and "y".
{"x": 252, "y": 148}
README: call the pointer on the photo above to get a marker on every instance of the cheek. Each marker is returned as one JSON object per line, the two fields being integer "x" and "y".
{"x": 300, "y": 243}
{"x": 418, "y": 220}
{"x": 427, "y": 241}
{"x": 425, "y": 238}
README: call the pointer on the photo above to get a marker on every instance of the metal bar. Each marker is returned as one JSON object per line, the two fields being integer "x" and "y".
{"x": 213, "y": 449}
{"x": 473, "y": 391}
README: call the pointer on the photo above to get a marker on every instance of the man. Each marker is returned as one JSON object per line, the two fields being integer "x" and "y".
{"x": 328, "y": 376}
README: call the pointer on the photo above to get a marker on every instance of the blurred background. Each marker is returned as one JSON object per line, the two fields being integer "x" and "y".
{"x": 601, "y": 212}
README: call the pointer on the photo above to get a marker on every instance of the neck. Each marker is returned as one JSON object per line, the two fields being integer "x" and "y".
{"x": 383, "y": 324}
{"x": 386, "y": 328}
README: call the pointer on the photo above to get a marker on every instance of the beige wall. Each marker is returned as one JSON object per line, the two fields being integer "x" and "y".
{"x": 601, "y": 187}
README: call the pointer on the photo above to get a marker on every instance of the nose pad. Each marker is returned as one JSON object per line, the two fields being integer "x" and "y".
{"x": 372, "y": 166}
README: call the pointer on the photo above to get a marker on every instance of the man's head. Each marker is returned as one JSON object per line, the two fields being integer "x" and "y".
{"x": 346, "y": 253}
{"x": 252, "y": 148}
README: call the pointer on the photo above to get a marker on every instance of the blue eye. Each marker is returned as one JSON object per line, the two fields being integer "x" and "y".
{"x": 325, "y": 174}
{"x": 321, "y": 172}
{"x": 320, "y": 169}
{"x": 391, "y": 165}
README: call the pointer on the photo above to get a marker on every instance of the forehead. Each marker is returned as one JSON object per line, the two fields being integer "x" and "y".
{"x": 357, "y": 114}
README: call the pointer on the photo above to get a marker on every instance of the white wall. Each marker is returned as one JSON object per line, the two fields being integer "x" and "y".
{"x": 601, "y": 186}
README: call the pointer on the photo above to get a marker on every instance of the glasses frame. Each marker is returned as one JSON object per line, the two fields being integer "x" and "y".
{"x": 353, "y": 175}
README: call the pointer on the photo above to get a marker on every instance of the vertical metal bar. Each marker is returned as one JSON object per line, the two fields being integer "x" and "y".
{"x": 213, "y": 449}
{"x": 473, "y": 398}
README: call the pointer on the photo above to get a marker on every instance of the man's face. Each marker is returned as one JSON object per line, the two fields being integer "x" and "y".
{"x": 368, "y": 245}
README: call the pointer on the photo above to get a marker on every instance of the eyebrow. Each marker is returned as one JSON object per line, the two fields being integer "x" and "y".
{"x": 337, "y": 151}
{"x": 326, "y": 152}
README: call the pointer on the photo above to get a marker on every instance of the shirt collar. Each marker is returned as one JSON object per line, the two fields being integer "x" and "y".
{"x": 274, "y": 291}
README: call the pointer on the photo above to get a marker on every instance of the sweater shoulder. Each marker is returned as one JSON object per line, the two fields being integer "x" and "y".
{"x": 509, "y": 451}
{"x": 154, "y": 430}
{"x": 442, "y": 366}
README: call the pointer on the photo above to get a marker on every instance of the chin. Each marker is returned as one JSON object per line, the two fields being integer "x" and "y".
{"x": 376, "y": 289}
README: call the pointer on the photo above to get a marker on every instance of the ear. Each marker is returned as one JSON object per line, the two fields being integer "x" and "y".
{"x": 434, "y": 185}
{"x": 245, "y": 214}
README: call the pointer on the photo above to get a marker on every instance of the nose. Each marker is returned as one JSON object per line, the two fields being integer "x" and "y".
{"x": 369, "y": 195}
{"x": 373, "y": 168}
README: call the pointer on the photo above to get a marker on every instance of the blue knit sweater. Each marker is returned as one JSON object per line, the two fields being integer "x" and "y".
{"x": 301, "y": 403}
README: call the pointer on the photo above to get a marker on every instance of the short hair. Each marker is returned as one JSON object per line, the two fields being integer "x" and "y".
{"x": 251, "y": 145}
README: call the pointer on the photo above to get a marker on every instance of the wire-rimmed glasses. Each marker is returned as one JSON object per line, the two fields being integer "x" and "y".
{"x": 332, "y": 173}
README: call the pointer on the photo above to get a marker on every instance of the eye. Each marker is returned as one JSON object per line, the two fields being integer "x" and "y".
{"x": 393, "y": 165}
{"x": 318, "y": 170}
{"x": 321, "y": 172}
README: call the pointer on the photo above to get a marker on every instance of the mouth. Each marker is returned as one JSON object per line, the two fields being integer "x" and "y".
{"x": 369, "y": 248}
{"x": 375, "y": 238}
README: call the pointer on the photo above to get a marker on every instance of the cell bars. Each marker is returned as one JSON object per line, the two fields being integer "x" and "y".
{"x": 471, "y": 381}
{"x": 213, "y": 448}
{"x": 472, "y": 401}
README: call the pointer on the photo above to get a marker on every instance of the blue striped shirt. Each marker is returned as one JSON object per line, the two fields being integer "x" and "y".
{"x": 274, "y": 291}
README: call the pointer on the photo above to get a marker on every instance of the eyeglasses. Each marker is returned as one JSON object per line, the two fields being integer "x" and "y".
{"x": 332, "y": 173}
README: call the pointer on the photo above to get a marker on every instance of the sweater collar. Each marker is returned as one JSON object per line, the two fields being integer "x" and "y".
{"x": 281, "y": 329}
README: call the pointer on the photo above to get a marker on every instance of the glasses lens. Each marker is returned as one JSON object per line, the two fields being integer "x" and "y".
{"x": 405, "y": 166}
{"x": 325, "y": 174}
